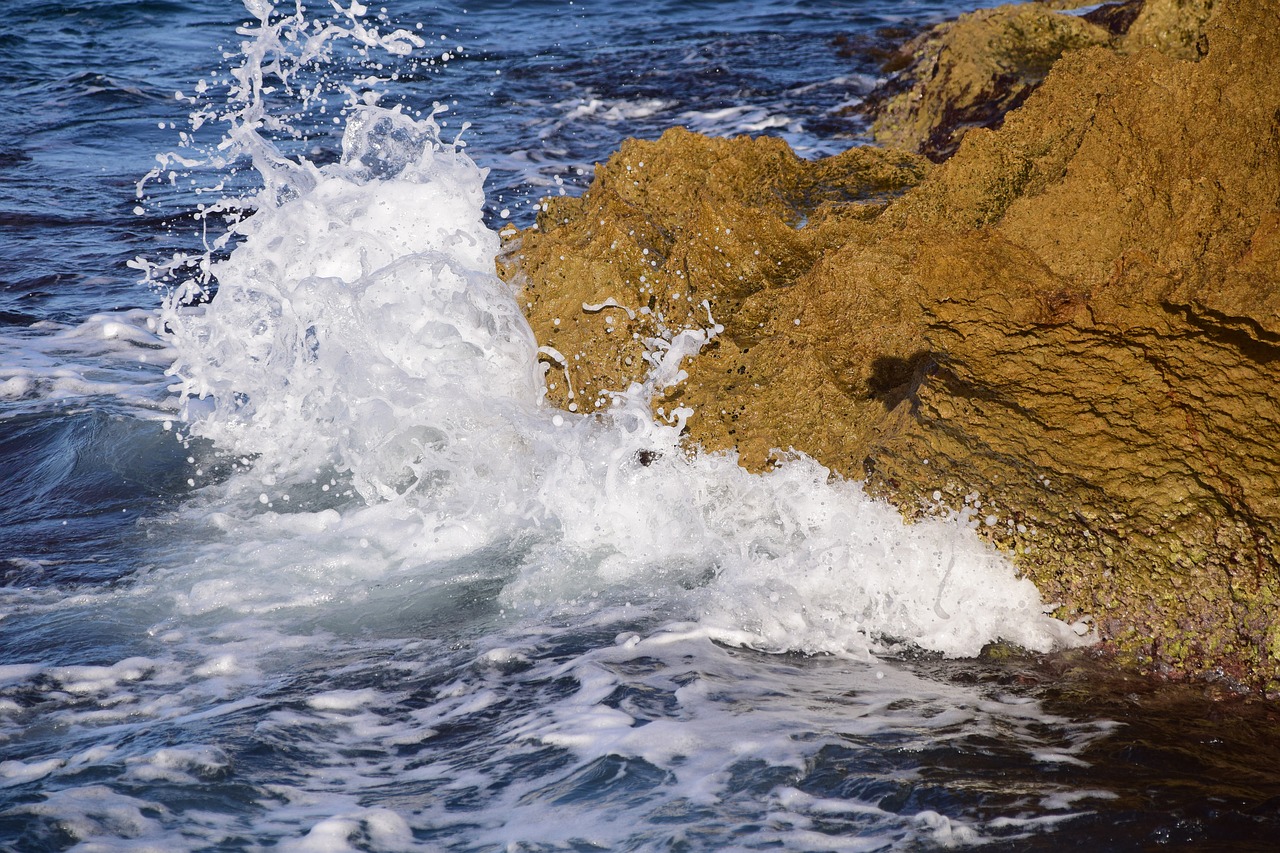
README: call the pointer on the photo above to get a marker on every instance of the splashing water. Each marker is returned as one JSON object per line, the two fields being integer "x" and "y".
{"x": 359, "y": 326}
{"x": 360, "y": 329}
{"x": 411, "y": 606}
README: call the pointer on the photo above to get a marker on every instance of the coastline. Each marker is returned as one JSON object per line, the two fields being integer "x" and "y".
{"x": 1063, "y": 329}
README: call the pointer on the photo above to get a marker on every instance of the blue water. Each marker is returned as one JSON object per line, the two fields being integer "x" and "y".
{"x": 370, "y": 595}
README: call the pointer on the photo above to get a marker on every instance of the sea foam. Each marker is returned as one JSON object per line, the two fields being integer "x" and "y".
{"x": 361, "y": 342}
{"x": 451, "y": 616}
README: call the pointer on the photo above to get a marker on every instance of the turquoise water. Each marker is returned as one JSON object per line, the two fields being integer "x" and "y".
{"x": 295, "y": 558}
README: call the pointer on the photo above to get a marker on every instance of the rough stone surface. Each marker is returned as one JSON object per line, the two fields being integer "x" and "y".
{"x": 1072, "y": 326}
{"x": 1176, "y": 28}
{"x": 670, "y": 225}
{"x": 972, "y": 71}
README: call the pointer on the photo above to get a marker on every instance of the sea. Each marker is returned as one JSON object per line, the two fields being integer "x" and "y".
{"x": 294, "y": 556}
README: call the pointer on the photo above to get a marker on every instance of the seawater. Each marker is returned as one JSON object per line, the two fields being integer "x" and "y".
{"x": 296, "y": 557}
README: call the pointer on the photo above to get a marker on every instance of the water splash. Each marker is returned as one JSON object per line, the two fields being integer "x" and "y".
{"x": 447, "y": 614}
{"x": 359, "y": 334}
{"x": 360, "y": 326}
{"x": 275, "y": 99}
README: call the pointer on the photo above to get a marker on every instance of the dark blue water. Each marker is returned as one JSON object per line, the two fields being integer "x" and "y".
{"x": 182, "y": 669}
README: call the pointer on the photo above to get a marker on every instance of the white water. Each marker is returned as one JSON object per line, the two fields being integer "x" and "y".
{"x": 402, "y": 541}
{"x": 360, "y": 333}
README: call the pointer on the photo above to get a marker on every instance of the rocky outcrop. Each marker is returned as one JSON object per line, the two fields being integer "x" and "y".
{"x": 673, "y": 230}
{"x": 1072, "y": 327}
{"x": 970, "y": 72}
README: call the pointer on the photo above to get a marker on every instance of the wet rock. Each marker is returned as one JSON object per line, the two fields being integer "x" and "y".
{"x": 1116, "y": 18}
{"x": 673, "y": 233}
{"x": 1069, "y": 330}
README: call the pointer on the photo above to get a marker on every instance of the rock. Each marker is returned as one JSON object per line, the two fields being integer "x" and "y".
{"x": 1117, "y": 18}
{"x": 670, "y": 225}
{"x": 971, "y": 71}
{"x": 1176, "y": 28}
{"x": 1117, "y": 331}
{"x": 1070, "y": 329}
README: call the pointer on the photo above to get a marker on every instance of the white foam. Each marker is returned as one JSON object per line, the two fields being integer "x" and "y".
{"x": 594, "y": 108}
{"x": 188, "y": 765}
{"x": 342, "y": 700}
{"x": 360, "y": 338}
{"x": 1068, "y": 799}
{"x": 736, "y": 120}
{"x": 19, "y": 772}
{"x": 360, "y": 326}
{"x": 100, "y": 679}
{"x": 96, "y": 812}
{"x": 116, "y": 355}
{"x": 381, "y": 829}
{"x": 426, "y": 587}
{"x": 10, "y": 673}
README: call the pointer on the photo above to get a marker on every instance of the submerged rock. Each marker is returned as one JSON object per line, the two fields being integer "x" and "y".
{"x": 1071, "y": 328}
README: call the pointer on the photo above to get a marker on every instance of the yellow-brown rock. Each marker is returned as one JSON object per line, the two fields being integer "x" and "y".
{"x": 971, "y": 71}
{"x": 1071, "y": 326}
{"x": 669, "y": 226}
{"x": 1176, "y": 28}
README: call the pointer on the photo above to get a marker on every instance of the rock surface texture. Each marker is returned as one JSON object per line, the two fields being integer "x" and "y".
{"x": 1072, "y": 327}
{"x": 970, "y": 72}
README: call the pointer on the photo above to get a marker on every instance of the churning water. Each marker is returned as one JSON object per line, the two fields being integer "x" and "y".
{"x": 297, "y": 558}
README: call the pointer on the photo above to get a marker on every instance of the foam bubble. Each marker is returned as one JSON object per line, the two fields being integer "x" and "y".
{"x": 187, "y": 765}
{"x": 342, "y": 700}
{"x": 19, "y": 772}
{"x": 381, "y": 829}
{"x": 360, "y": 326}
